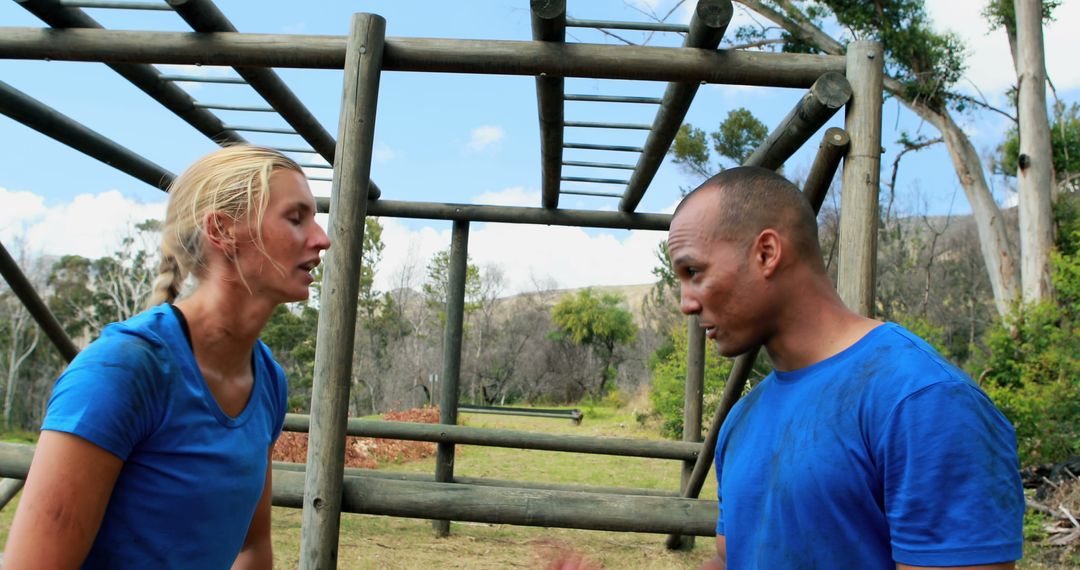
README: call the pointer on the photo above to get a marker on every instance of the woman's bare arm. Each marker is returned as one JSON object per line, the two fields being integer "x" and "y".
{"x": 67, "y": 490}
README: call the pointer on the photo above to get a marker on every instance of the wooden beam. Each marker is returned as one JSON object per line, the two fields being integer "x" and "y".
{"x": 37, "y": 308}
{"x": 487, "y": 482}
{"x": 512, "y": 215}
{"x": 514, "y": 439}
{"x": 503, "y": 505}
{"x": 826, "y": 96}
{"x": 494, "y": 57}
{"x": 143, "y": 76}
{"x": 477, "y": 503}
{"x": 203, "y": 16}
{"x": 52, "y": 123}
{"x": 549, "y": 25}
{"x": 707, "y": 27}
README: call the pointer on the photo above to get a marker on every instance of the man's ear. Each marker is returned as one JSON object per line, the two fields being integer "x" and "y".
{"x": 220, "y": 232}
{"x": 767, "y": 252}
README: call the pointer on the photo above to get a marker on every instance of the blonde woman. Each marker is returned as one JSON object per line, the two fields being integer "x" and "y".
{"x": 155, "y": 451}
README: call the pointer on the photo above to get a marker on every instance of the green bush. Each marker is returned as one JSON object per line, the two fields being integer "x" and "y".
{"x": 669, "y": 383}
{"x": 1032, "y": 371}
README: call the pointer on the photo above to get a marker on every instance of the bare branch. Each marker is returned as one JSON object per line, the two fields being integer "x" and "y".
{"x": 982, "y": 103}
{"x": 756, "y": 44}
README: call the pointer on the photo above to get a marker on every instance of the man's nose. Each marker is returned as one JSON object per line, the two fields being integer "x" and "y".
{"x": 687, "y": 303}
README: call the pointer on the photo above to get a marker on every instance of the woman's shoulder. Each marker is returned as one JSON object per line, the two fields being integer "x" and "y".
{"x": 138, "y": 341}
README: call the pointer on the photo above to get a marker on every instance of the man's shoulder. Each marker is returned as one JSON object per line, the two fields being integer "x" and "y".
{"x": 898, "y": 358}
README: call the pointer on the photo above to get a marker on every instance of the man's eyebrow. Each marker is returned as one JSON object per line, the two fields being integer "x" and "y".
{"x": 682, "y": 260}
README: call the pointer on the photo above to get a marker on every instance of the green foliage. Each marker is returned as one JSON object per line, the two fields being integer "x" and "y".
{"x": 734, "y": 141}
{"x": 738, "y": 136}
{"x": 1002, "y": 13}
{"x": 89, "y": 294}
{"x": 437, "y": 287}
{"x": 290, "y": 334}
{"x": 597, "y": 322}
{"x": 928, "y": 63}
{"x": 669, "y": 384}
{"x": 1064, "y": 143}
{"x": 369, "y": 298}
{"x": 1033, "y": 365}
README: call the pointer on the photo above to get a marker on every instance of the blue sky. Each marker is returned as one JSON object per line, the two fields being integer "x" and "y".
{"x": 439, "y": 137}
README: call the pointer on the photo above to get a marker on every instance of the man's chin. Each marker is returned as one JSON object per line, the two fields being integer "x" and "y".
{"x": 728, "y": 349}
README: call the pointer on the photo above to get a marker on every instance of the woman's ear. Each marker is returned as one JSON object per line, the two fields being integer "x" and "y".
{"x": 768, "y": 250}
{"x": 220, "y": 233}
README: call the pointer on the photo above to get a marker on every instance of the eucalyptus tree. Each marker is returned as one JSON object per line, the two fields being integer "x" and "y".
{"x": 922, "y": 68}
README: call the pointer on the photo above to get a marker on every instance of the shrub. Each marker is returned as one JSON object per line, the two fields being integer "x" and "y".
{"x": 1032, "y": 371}
{"x": 669, "y": 383}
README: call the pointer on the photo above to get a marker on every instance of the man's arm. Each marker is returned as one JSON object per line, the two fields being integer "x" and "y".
{"x": 67, "y": 490}
{"x": 257, "y": 552}
{"x": 720, "y": 562}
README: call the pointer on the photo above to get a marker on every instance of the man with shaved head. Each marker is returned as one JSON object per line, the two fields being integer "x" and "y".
{"x": 864, "y": 448}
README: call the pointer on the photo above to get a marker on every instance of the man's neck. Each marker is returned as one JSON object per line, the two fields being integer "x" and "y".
{"x": 815, "y": 328}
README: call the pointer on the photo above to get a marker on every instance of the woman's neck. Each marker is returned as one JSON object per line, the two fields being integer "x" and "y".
{"x": 224, "y": 324}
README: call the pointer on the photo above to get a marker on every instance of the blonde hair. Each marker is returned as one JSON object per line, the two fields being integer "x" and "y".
{"x": 235, "y": 181}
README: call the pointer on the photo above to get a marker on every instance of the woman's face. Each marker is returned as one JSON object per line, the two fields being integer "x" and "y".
{"x": 291, "y": 242}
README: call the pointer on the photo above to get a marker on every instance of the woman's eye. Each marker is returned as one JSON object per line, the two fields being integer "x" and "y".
{"x": 295, "y": 221}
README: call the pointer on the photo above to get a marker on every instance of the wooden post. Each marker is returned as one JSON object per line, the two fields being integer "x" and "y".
{"x": 549, "y": 25}
{"x": 455, "y": 320}
{"x": 862, "y": 172}
{"x": 341, "y": 284}
{"x": 831, "y": 149}
{"x": 692, "y": 404}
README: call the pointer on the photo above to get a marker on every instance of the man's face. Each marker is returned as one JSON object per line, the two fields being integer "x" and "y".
{"x": 716, "y": 277}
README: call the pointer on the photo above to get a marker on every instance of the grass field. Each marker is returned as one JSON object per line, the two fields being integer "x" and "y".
{"x": 374, "y": 542}
{"x": 384, "y": 542}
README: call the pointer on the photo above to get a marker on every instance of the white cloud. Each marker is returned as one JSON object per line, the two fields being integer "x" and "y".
{"x": 990, "y": 66}
{"x": 514, "y": 196}
{"x": 383, "y": 153}
{"x": 91, "y": 225}
{"x": 570, "y": 256}
{"x": 484, "y": 136}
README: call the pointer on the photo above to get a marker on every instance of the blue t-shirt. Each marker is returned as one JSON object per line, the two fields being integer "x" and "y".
{"x": 882, "y": 454}
{"x": 192, "y": 475}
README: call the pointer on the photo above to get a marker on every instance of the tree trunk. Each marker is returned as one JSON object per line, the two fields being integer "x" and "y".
{"x": 1035, "y": 174}
{"x": 998, "y": 252}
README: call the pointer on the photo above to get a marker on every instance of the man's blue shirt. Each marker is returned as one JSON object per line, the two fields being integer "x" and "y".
{"x": 192, "y": 475}
{"x": 883, "y": 453}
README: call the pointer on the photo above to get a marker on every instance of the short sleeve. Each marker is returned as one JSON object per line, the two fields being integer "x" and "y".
{"x": 952, "y": 489}
{"x": 719, "y": 461}
{"x": 111, "y": 394}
